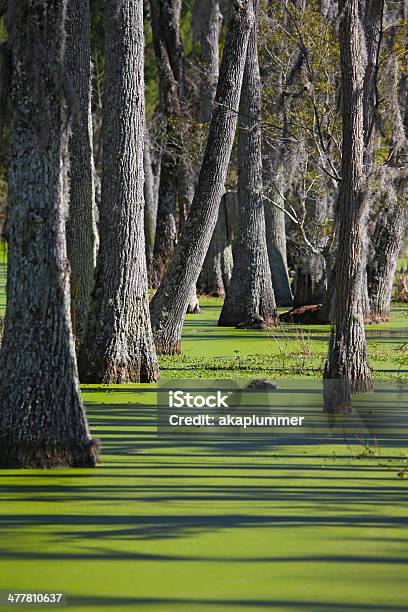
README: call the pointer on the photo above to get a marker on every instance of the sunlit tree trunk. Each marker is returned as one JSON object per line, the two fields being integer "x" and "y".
{"x": 169, "y": 303}
{"x": 81, "y": 224}
{"x": 42, "y": 421}
{"x": 118, "y": 345}
{"x": 150, "y": 209}
{"x": 386, "y": 243}
{"x": 347, "y": 359}
{"x": 250, "y": 291}
{"x": 209, "y": 56}
{"x": 165, "y": 16}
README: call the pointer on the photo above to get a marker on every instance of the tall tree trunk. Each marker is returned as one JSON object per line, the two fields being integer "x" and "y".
{"x": 372, "y": 23}
{"x": 170, "y": 63}
{"x": 150, "y": 209}
{"x": 386, "y": 244}
{"x": 275, "y": 159}
{"x": 81, "y": 224}
{"x": 42, "y": 422}
{"x": 390, "y": 225}
{"x": 347, "y": 359}
{"x": 169, "y": 303}
{"x": 250, "y": 291}
{"x": 371, "y": 14}
{"x": 206, "y": 25}
{"x": 209, "y": 56}
{"x": 276, "y": 242}
{"x": 118, "y": 344}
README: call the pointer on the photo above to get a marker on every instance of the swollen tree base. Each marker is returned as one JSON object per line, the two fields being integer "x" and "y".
{"x": 347, "y": 370}
{"x": 42, "y": 421}
{"x": 249, "y": 299}
{"x": 71, "y": 454}
{"x": 117, "y": 364}
{"x": 117, "y": 346}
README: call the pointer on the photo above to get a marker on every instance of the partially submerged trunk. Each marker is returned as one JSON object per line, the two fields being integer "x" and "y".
{"x": 169, "y": 303}
{"x": 42, "y": 421}
{"x": 118, "y": 344}
{"x": 81, "y": 223}
{"x": 250, "y": 293}
{"x": 347, "y": 367}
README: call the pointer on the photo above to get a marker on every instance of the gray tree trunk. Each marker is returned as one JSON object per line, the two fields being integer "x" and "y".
{"x": 216, "y": 274}
{"x": 386, "y": 244}
{"x": 42, "y": 421}
{"x": 217, "y": 267}
{"x": 371, "y": 14}
{"x": 118, "y": 345}
{"x": 81, "y": 224}
{"x": 169, "y": 303}
{"x": 209, "y": 56}
{"x": 206, "y": 24}
{"x": 170, "y": 63}
{"x": 347, "y": 359}
{"x": 372, "y": 23}
{"x": 276, "y": 243}
{"x": 274, "y": 185}
{"x": 250, "y": 293}
{"x": 390, "y": 226}
{"x": 150, "y": 209}
{"x": 310, "y": 283}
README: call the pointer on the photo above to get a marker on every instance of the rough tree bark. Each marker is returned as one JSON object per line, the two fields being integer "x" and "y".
{"x": 118, "y": 344}
{"x": 390, "y": 224}
{"x": 206, "y": 24}
{"x": 371, "y": 12}
{"x": 169, "y": 303}
{"x": 274, "y": 185}
{"x": 372, "y": 23}
{"x": 250, "y": 293}
{"x": 276, "y": 238}
{"x": 209, "y": 56}
{"x": 386, "y": 243}
{"x": 165, "y": 16}
{"x": 81, "y": 224}
{"x": 347, "y": 360}
{"x": 42, "y": 421}
{"x": 150, "y": 209}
